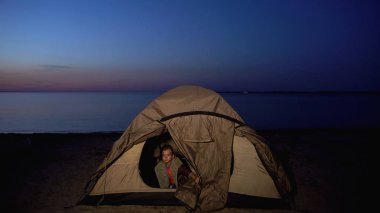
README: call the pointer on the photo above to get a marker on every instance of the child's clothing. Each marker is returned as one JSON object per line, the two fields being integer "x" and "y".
{"x": 172, "y": 184}
{"x": 167, "y": 174}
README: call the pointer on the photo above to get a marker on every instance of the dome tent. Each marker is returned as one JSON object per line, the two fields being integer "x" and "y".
{"x": 233, "y": 162}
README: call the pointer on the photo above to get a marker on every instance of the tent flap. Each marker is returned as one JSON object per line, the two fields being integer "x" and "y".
{"x": 203, "y": 139}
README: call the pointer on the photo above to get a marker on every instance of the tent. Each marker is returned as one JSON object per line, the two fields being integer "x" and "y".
{"x": 235, "y": 164}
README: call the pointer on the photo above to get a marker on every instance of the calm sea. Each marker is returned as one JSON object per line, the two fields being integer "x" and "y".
{"x": 107, "y": 112}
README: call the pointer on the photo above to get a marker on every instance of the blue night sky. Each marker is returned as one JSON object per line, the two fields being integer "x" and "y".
{"x": 57, "y": 45}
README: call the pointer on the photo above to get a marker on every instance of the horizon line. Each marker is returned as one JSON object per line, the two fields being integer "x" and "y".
{"x": 374, "y": 92}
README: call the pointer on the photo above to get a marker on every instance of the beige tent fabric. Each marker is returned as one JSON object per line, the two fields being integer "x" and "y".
{"x": 206, "y": 142}
{"x": 241, "y": 180}
{"x": 272, "y": 165}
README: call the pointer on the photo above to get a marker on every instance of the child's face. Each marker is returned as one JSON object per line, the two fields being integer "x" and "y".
{"x": 167, "y": 156}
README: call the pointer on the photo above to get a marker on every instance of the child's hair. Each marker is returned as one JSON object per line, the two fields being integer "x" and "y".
{"x": 167, "y": 147}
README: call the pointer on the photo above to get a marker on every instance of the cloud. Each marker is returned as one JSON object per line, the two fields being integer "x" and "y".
{"x": 55, "y": 66}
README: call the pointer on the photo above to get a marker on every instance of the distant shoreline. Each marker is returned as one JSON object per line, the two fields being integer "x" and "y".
{"x": 303, "y": 92}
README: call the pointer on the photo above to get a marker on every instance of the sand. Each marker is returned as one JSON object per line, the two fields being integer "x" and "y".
{"x": 333, "y": 170}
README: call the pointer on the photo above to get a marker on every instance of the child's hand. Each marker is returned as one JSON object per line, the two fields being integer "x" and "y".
{"x": 195, "y": 177}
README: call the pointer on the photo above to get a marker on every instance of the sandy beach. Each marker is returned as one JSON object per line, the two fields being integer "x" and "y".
{"x": 331, "y": 168}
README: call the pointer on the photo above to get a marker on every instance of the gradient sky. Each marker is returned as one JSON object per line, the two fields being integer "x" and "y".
{"x": 108, "y": 45}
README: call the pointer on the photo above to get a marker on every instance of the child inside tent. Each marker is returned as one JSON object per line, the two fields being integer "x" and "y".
{"x": 170, "y": 171}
